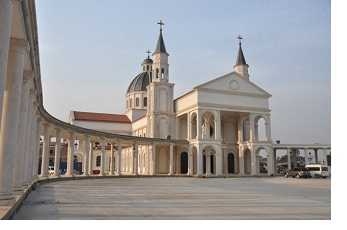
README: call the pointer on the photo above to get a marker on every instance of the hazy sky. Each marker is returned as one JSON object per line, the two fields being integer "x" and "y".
{"x": 90, "y": 50}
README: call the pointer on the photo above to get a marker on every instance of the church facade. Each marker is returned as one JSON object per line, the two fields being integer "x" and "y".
{"x": 225, "y": 121}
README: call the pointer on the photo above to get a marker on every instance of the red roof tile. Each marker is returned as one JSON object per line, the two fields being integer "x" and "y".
{"x": 101, "y": 117}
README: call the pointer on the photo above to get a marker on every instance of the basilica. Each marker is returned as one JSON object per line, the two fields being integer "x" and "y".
{"x": 225, "y": 122}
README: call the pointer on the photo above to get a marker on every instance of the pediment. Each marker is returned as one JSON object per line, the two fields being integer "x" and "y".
{"x": 235, "y": 84}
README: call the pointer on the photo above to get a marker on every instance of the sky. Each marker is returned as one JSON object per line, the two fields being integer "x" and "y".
{"x": 91, "y": 50}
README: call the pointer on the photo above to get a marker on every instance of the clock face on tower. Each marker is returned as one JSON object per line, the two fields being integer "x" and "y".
{"x": 234, "y": 85}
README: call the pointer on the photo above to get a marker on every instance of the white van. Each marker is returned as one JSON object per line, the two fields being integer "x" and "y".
{"x": 318, "y": 170}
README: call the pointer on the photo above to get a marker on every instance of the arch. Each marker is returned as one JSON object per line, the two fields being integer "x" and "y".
{"x": 231, "y": 163}
{"x": 262, "y": 157}
{"x": 209, "y": 154}
{"x": 193, "y": 125}
{"x": 208, "y": 125}
{"x": 184, "y": 162}
{"x": 247, "y": 161}
{"x": 260, "y": 128}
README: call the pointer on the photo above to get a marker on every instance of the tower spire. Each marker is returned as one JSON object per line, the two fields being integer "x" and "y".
{"x": 160, "y": 48}
{"x": 241, "y": 67}
{"x": 240, "y": 57}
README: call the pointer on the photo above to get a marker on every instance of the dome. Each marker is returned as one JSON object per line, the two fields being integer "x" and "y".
{"x": 140, "y": 83}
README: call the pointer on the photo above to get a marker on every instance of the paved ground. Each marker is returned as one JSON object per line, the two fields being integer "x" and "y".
{"x": 180, "y": 198}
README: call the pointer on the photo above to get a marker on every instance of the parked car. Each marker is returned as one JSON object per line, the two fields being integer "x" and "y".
{"x": 318, "y": 170}
{"x": 298, "y": 173}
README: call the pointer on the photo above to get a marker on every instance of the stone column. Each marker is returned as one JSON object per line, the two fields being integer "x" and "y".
{"x": 315, "y": 156}
{"x": 306, "y": 156}
{"x": 241, "y": 161}
{"x": 57, "y": 151}
{"x": 90, "y": 158}
{"x": 70, "y": 151}
{"x": 198, "y": 125}
{"x": 103, "y": 154}
{"x": 154, "y": 159}
{"x": 240, "y": 130}
{"x": 36, "y": 146}
{"x": 111, "y": 172}
{"x": 251, "y": 128}
{"x": 199, "y": 158}
{"x": 253, "y": 162}
{"x": 189, "y": 126}
{"x": 10, "y": 114}
{"x": 119, "y": 157}
{"x": 268, "y": 128}
{"x": 218, "y": 127}
{"x": 190, "y": 160}
{"x": 289, "y": 160}
{"x": 270, "y": 162}
{"x": 135, "y": 159}
{"x": 86, "y": 155}
{"x": 171, "y": 171}
{"x": 5, "y": 34}
{"x": 219, "y": 162}
{"x": 45, "y": 151}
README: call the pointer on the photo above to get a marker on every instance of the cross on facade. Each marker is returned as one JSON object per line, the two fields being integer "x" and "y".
{"x": 161, "y": 23}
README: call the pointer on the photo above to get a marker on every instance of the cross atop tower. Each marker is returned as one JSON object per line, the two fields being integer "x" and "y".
{"x": 148, "y": 52}
{"x": 161, "y": 23}
{"x": 240, "y": 39}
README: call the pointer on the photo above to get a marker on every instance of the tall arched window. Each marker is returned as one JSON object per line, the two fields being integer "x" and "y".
{"x": 137, "y": 102}
{"x": 145, "y": 101}
{"x": 157, "y": 73}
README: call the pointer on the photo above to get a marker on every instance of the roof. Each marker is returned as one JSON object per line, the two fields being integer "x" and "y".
{"x": 139, "y": 83}
{"x": 147, "y": 61}
{"x": 160, "y": 48}
{"x": 101, "y": 117}
{"x": 240, "y": 57}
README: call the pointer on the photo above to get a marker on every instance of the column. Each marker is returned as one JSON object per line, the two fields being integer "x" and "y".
{"x": 45, "y": 151}
{"x": 135, "y": 160}
{"x": 199, "y": 163}
{"x": 86, "y": 154}
{"x": 5, "y": 34}
{"x": 251, "y": 128}
{"x": 69, "y": 160}
{"x": 270, "y": 162}
{"x": 198, "y": 125}
{"x": 241, "y": 161}
{"x": 111, "y": 172}
{"x": 103, "y": 153}
{"x": 171, "y": 171}
{"x": 275, "y": 161}
{"x": 57, "y": 151}
{"x": 218, "y": 128}
{"x": 90, "y": 158}
{"x": 315, "y": 156}
{"x": 208, "y": 164}
{"x": 219, "y": 162}
{"x": 36, "y": 146}
{"x": 289, "y": 160}
{"x": 119, "y": 159}
{"x": 253, "y": 162}
{"x": 153, "y": 160}
{"x": 10, "y": 114}
{"x": 189, "y": 128}
{"x": 268, "y": 128}
{"x": 190, "y": 160}
{"x": 240, "y": 130}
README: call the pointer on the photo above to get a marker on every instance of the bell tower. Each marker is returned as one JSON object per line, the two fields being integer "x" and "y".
{"x": 160, "y": 58}
{"x": 160, "y": 112}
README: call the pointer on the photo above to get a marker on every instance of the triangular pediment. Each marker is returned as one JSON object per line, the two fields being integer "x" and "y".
{"x": 234, "y": 83}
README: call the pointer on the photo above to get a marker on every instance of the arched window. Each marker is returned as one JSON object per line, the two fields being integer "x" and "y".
{"x": 157, "y": 73}
{"x": 162, "y": 73}
{"x": 130, "y": 103}
{"x": 145, "y": 101}
{"x": 137, "y": 101}
{"x": 147, "y": 68}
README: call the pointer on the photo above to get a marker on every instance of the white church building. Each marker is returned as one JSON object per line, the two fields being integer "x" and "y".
{"x": 226, "y": 121}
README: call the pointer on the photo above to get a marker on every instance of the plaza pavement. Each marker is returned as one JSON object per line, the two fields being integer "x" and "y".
{"x": 180, "y": 198}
